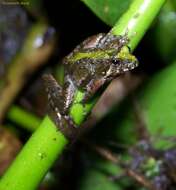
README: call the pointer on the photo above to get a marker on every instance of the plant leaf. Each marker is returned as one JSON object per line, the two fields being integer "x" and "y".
{"x": 157, "y": 104}
{"x": 165, "y": 35}
{"x": 108, "y": 10}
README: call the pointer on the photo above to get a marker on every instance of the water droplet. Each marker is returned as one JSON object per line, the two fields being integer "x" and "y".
{"x": 41, "y": 155}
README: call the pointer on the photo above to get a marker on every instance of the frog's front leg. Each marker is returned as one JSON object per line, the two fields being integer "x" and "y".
{"x": 92, "y": 87}
{"x": 68, "y": 93}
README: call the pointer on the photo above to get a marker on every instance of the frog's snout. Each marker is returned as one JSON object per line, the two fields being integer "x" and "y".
{"x": 126, "y": 64}
{"x": 131, "y": 64}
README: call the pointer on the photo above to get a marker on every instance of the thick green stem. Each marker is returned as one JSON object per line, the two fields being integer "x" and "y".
{"x": 41, "y": 150}
{"x": 36, "y": 157}
{"x": 137, "y": 20}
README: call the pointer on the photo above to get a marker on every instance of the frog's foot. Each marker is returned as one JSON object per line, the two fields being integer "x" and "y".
{"x": 70, "y": 121}
{"x": 60, "y": 119}
{"x": 65, "y": 124}
{"x": 68, "y": 127}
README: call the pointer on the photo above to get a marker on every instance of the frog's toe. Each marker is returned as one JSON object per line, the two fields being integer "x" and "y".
{"x": 70, "y": 121}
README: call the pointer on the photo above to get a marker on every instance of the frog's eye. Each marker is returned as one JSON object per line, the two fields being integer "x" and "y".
{"x": 116, "y": 61}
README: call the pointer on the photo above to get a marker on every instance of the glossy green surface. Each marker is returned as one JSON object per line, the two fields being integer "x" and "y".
{"x": 108, "y": 10}
{"x": 36, "y": 157}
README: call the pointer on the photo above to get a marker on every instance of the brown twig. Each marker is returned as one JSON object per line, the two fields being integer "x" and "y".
{"x": 108, "y": 155}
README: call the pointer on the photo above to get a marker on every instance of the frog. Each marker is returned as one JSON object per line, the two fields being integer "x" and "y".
{"x": 96, "y": 61}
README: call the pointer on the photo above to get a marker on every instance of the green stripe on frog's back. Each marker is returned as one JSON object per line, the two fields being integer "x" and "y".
{"x": 125, "y": 54}
{"x": 100, "y": 54}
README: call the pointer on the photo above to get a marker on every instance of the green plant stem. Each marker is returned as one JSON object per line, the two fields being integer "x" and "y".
{"x": 28, "y": 169}
{"x": 137, "y": 20}
{"x": 23, "y": 118}
{"x": 33, "y": 162}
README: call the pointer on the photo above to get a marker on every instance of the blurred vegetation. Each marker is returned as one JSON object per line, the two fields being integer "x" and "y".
{"x": 132, "y": 129}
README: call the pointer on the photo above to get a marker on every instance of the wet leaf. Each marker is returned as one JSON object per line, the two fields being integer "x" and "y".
{"x": 96, "y": 180}
{"x": 157, "y": 108}
{"x": 108, "y": 10}
{"x": 165, "y": 32}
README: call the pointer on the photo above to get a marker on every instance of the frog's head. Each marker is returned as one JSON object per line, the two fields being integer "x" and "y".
{"x": 121, "y": 62}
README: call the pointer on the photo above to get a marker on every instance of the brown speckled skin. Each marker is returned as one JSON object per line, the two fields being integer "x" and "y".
{"x": 88, "y": 73}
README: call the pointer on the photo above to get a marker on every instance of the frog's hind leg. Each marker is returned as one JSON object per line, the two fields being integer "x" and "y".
{"x": 57, "y": 102}
{"x": 59, "y": 98}
{"x": 54, "y": 93}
